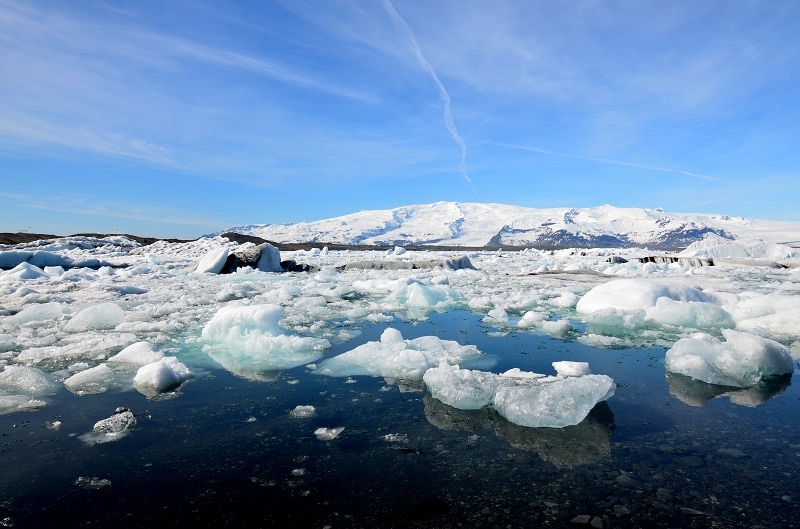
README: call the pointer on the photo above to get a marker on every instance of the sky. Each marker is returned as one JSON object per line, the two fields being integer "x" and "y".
{"x": 182, "y": 118}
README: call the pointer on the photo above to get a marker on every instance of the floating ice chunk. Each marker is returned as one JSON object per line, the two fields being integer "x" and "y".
{"x": 420, "y": 299}
{"x": 556, "y": 328}
{"x": 139, "y": 353}
{"x": 15, "y": 403}
{"x": 395, "y": 357}
{"x": 213, "y": 261}
{"x": 464, "y": 389}
{"x": 23, "y": 272}
{"x": 741, "y": 361}
{"x": 717, "y": 247}
{"x": 25, "y": 379}
{"x": 531, "y": 319}
{"x": 37, "y": 312}
{"x": 246, "y": 340}
{"x": 99, "y": 317}
{"x": 571, "y": 369}
{"x": 553, "y": 403}
{"x": 496, "y": 316}
{"x": 113, "y": 428}
{"x": 517, "y": 373}
{"x": 158, "y": 377}
{"x": 89, "y": 381}
{"x": 328, "y": 434}
{"x": 633, "y": 294}
{"x": 695, "y": 314}
{"x": 303, "y": 412}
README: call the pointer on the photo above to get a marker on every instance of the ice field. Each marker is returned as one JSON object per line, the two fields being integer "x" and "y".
{"x": 600, "y": 366}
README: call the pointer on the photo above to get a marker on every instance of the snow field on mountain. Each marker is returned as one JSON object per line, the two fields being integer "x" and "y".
{"x": 150, "y": 322}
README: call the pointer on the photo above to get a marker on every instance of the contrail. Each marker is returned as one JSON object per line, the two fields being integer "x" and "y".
{"x": 609, "y": 161}
{"x": 403, "y": 28}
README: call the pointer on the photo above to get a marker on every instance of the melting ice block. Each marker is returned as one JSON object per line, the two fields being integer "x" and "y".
{"x": 395, "y": 357}
{"x": 29, "y": 380}
{"x": 742, "y": 360}
{"x": 139, "y": 353}
{"x": 158, "y": 377}
{"x": 552, "y": 402}
{"x": 247, "y": 340}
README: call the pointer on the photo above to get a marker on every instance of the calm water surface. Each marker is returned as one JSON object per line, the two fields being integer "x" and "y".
{"x": 226, "y": 452}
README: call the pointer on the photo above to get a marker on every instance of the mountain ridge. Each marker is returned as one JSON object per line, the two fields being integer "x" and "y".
{"x": 470, "y": 224}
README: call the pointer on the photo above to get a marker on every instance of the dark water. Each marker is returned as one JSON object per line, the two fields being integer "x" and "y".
{"x": 227, "y": 453}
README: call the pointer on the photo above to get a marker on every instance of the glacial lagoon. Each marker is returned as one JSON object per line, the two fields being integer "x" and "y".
{"x": 225, "y": 450}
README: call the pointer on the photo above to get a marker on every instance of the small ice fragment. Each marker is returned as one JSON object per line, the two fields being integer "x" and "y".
{"x": 303, "y": 412}
{"x": 328, "y": 434}
{"x": 111, "y": 429}
{"x": 571, "y": 369}
{"x": 92, "y": 483}
{"x": 395, "y": 438}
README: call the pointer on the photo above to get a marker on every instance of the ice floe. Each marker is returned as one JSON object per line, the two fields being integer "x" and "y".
{"x": 161, "y": 376}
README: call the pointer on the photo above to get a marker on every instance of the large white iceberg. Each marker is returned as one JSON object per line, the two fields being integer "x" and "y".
{"x": 742, "y": 360}
{"x": 395, "y": 357}
{"x": 247, "y": 340}
{"x": 631, "y": 302}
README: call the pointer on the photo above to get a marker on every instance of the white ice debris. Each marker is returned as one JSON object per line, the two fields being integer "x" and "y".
{"x": 742, "y": 360}
{"x": 395, "y": 357}
{"x": 571, "y": 369}
{"x": 527, "y": 399}
{"x": 161, "y": 376}
{"x": 328, "y": 434}
{"x": 718, "y": 247}
{"x": 303, "y": 411}
{"x": 247, "y": 340}
{"x": 38, "y": 312}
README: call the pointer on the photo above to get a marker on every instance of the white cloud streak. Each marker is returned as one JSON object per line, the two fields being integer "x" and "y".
{"x": 403, "y": 28}
{"x": 622, "y": 163}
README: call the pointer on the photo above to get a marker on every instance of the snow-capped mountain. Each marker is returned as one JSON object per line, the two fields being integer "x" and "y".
{"x": 499, "y": 225}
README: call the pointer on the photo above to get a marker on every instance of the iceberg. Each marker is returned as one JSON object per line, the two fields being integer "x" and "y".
{"x": 464, "y": 389}
{"x": 89, "y": 381}
{"x": 742, "y": 360}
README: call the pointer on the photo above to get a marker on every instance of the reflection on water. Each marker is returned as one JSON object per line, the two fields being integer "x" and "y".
{"x": 567, "y": 447}
{"x": 696, "y": 393}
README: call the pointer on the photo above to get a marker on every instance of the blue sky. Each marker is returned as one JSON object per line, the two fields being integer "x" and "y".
{"x": 180, "y": 118}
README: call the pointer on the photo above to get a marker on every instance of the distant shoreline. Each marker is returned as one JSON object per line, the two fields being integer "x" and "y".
{"x": 25, "y": 237}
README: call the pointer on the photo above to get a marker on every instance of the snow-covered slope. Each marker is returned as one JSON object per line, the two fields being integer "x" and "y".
{"x": 494, "y": 225}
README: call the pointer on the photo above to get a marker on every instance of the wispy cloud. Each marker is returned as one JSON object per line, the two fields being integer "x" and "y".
{"x": 609, "y": 161}
{"x": 403, "y": 28}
